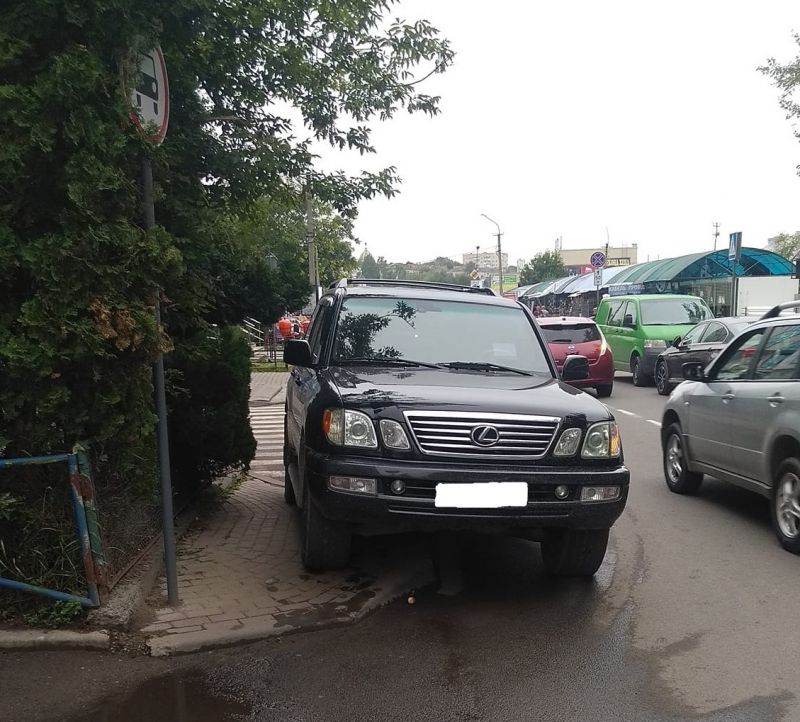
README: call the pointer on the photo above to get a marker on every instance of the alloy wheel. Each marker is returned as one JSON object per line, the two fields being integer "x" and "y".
{"x": 787, "y": 503}
{"x": 674, "y": 459}
{"x": 661, "y": 377}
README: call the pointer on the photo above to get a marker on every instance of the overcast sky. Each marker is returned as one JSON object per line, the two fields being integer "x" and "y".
{"x": 562, "y": 119}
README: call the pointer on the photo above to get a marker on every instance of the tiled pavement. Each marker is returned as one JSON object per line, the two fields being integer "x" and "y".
{"x": 240, "y": 575}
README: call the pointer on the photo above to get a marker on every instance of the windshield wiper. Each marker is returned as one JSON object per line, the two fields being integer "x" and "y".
{"x": 386, "y": 360}
{"x": 483, "y": 366}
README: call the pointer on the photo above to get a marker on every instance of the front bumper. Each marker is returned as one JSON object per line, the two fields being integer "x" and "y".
{"x": 415, "y": 510}
{"x": 649, "y": 360}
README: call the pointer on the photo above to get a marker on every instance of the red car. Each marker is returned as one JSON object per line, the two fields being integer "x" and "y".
{"x": 567, "y": 335}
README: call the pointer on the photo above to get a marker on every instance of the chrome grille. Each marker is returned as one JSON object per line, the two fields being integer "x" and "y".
{"x": 452, "y": 433}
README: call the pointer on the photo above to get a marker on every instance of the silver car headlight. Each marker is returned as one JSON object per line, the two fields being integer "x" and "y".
{"x": 602, "y": 441}
{"x": 345, "y": 427}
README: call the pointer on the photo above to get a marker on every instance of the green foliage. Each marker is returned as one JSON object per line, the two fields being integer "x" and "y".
{"x": 54, "y": 614}
{"x": 788, "y": 245}
{"x": 544, "y": 266}
{"x": 209, "y": 380}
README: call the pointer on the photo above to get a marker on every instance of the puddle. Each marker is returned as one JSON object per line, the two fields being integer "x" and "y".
{"x": 177, "y": 697}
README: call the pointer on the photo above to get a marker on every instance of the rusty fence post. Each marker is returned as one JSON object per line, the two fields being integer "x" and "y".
{"x": 92, "y": 522}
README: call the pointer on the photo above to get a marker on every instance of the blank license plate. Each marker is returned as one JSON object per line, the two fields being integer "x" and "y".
{"x": 482, "y": 495}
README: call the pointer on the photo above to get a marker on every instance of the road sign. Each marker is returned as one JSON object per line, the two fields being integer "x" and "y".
{"x": 473, "y": 274}
{"x": 598, "y": 259}
{"x": 149, "y": 96}
{"x": 598, "y": 277}
{"x": 734, "y": 246}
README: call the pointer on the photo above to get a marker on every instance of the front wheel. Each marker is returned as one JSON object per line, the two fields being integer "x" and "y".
{"x": 574, "y": 552}
{"x": 786, "y": 505}
{"x": 639, "y": 379}
{"x": 604, "y": 391}
{"x": 326, "y": 543}
{"x": 663, "y": 385}
{"x": 676, "y": 470}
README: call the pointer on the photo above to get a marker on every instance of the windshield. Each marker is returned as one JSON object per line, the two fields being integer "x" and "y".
{"x": 674, "y": 312}
{"x": 572, "y": 333}
{"x": 437, "y": 332}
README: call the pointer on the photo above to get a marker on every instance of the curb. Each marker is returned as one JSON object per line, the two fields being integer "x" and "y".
{"x": 57, "y": 639}
{"x": 416, "y": 576}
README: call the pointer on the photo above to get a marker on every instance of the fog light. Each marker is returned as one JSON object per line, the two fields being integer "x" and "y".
{"x": 398, "y": 486}
{"x": 562, "y": 492}
{"x": 353, "y": 484}
{"x": 599, "y": 493}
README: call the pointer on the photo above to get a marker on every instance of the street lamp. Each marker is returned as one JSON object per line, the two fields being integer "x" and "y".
{"x": 499, "y": 253}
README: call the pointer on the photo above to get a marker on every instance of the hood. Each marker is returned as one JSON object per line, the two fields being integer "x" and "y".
{"x": 666, "y": 333}
{"x": 451, "y": 390}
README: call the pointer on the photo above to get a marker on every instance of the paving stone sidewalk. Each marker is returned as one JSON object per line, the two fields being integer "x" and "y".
{"x": 239, "y": 571}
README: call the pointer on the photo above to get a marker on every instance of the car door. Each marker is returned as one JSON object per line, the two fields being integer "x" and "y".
{"x": 303, "y": 381}
{"x": 715, "y": 336}
{"x": 685, "y": 352}
{"x": 628, "y": 333}
{"x": 612, "y": 328}
{"x": 712, "y": 404}
{"x": 761, "y": 400}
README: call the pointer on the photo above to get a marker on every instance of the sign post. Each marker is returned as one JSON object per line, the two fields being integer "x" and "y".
{"x": 598, "y": 262}
{"x": 734, "y": 252}
{"x": 149, "y": 100}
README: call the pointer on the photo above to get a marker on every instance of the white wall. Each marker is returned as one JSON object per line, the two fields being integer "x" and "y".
{"x": 763, "y": 292}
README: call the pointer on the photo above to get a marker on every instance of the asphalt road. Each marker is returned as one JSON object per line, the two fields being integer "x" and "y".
{"x": 692, "y": 616}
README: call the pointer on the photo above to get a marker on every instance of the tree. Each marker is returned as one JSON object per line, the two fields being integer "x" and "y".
{"x": 544, "y": 266}
{"x": 788, "y": 245}
{"x": 368, "y": 266}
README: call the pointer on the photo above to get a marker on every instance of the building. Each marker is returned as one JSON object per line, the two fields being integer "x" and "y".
{"x": 486, "y": 260}
{"x": 576, "y": 260}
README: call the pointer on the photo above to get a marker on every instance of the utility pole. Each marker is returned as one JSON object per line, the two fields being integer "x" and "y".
{"x": 499, "y": 251}
{"x": 313, "y": 276}
{"x": 716, "y": 234}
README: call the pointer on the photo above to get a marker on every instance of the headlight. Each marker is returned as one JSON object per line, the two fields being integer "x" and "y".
{"x": 394, "y": 436}
{"x": 602, "y": 441}
{"x": 344, "y": 427}
{"x": 568, "y": 443}
{"x": 656, "y": 344}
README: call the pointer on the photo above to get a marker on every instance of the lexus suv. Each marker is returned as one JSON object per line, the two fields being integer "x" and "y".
{"x": 738, "y": 419}
{"x": 430, "y": 407}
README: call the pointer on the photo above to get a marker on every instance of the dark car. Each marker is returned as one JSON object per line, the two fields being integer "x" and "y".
{"x": 701, "y": 344}
{"x": 567, "y": 335}
{"x": 426, "y": 407}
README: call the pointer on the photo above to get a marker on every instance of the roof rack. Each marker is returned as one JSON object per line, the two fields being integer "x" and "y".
{"x": 775, "y": 311}
{"x": 345, "y": 282}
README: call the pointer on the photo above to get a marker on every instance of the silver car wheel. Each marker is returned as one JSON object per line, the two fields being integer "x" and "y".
{"x": 674, "y": 458}
{"x": 787, "y": 501}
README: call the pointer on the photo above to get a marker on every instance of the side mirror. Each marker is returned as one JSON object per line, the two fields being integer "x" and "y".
{"x": 628, "y": 321}
{"x": 576, "y": 368}
{"x": 297, "y": 353}
{"x": 693, "y": 371}
{"x": 676, "y": 342}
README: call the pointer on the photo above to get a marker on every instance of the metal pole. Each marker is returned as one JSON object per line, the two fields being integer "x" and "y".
{"x": 500, "y": 261}
{"x": 165, "y": 476}
{"x": 312, "y": 255}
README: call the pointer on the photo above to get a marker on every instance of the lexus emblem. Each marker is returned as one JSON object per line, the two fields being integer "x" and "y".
{"x": 484, "y": 435}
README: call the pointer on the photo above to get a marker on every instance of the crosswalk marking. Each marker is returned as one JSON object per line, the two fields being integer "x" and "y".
{"x": 267, "y": 425}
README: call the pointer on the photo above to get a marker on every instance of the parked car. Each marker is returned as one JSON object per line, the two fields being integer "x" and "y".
{"x": 639, "y": 328}
{"x": 567, "y": 335}
{"x": 701, "y": 344}
{"x": 427, "y": 407}
{"x": 739, "y": 420}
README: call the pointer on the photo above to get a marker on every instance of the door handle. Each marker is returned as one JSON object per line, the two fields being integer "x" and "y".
{"x": 776, "y": 399}
{"x": 727, "y": 396}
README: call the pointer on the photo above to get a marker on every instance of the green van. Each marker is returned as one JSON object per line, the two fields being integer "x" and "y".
{"x": 639, "y": 328}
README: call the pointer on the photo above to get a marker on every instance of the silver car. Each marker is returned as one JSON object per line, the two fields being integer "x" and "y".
{"x": 738, "y": 419}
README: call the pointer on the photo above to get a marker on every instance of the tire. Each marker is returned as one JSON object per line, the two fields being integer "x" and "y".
{"x": 786, "y": 505}
{"x": 288, "y": 490}
{"x": 639, "y": 379}
{"x": 574, "y": 552}
{"x": 676, "y": 471}
{"x": 604, "y": 391}
{"x": 663, "y": 386}
{"x": 326, "y": 544}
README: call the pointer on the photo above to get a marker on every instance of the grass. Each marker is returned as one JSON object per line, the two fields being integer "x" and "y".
{"x": 268, "y": 367}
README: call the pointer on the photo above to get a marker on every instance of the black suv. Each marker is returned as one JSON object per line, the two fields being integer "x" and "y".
{"x": 428, "y": 407}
